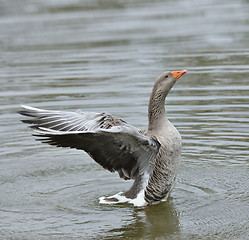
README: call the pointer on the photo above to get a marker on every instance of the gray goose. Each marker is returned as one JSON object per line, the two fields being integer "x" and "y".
{"x": 149, "y": 157}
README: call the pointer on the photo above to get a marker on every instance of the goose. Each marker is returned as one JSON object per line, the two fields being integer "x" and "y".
{"x": 149, "y": 157}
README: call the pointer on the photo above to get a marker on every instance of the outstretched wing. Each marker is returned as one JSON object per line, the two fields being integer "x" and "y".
{"x": 111, "y": 142}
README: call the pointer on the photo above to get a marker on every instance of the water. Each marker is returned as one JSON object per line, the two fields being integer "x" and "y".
{"x": 96, "y": 56}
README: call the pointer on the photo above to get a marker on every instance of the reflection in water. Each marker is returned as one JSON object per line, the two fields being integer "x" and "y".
{"x": 162, "y": 219}
{"x": 151, "y": 222}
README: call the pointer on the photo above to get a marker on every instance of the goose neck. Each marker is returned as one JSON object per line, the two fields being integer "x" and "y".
{"x": 156, "y": 109}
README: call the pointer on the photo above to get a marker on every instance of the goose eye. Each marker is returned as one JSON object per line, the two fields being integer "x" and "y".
{"x": 166, "y": 76}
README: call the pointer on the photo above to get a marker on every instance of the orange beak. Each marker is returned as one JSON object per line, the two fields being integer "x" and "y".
{"x": 178, "y": 74}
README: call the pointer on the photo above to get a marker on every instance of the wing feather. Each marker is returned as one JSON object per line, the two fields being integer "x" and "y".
{"x": 111, "y": 142}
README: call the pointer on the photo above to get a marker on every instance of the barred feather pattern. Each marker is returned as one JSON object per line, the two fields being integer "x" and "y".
{"x": 163, "y": 177}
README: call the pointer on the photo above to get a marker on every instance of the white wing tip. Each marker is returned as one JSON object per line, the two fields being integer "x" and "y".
{"x": 31, "y": 108}
{"x": 43, "y": 130}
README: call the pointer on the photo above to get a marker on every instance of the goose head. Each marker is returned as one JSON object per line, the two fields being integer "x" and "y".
{"x": 167, "y": 80}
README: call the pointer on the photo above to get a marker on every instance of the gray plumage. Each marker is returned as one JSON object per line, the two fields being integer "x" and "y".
{"x": 149, "y": 157}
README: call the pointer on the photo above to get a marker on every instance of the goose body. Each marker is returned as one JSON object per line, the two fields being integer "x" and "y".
{"x": 149, "y": 157}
